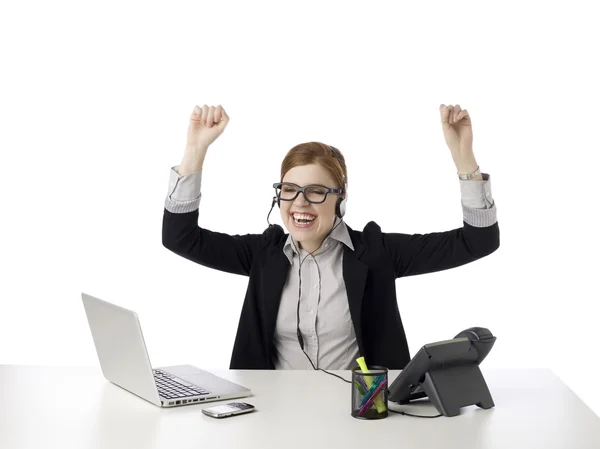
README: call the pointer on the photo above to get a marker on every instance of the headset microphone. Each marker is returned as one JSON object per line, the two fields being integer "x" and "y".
{"x": 272, "y": 205}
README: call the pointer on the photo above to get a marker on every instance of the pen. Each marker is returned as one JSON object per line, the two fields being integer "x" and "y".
{"x": 374, "y": 386}
{"x": 374, "y": 397}
{"x": 381, "y": 407}
{"x": 362, "y": 383}
{"x": 362, "y": 388}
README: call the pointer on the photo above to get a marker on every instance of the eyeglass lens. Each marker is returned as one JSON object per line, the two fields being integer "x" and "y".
{"x": 313, "y": 194}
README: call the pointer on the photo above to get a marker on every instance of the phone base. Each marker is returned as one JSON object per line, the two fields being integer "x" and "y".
{"x": 450, "y": 388}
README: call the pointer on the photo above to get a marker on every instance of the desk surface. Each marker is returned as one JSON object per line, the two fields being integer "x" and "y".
{"x": 77, "y": 408}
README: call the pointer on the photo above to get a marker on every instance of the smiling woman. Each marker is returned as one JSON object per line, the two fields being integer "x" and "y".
{"x": 313, "y": 177}
{"x": 342, "y": 303}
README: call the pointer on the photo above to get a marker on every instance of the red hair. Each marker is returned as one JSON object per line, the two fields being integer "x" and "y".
{"x": 317, "y": 153}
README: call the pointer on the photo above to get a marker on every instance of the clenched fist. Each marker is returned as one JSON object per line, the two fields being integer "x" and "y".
{"x": 206, "y": 124}
{"x": 457, "y": 127}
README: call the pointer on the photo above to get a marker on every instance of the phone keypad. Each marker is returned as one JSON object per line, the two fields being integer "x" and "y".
{"x": 240, "y": 405}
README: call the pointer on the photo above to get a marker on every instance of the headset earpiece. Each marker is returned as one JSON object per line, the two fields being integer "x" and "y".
{"x": 340, "y": 205}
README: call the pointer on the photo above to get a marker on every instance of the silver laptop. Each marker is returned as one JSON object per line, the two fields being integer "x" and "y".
{"x": 124, "y": 360}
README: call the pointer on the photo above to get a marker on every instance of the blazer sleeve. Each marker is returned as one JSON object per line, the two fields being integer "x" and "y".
{"x": 414, "y": 254}
{"x": 230, "y": 253}
{"x": 182, "y": 235}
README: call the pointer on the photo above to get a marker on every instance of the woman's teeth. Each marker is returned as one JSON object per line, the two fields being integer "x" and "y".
{"x": 303, "y": 218}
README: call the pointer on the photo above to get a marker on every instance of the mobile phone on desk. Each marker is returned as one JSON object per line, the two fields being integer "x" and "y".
{"x": 233, "y": 408}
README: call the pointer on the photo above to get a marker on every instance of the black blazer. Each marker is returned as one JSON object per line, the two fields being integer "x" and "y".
{"x": 369, "y": 273}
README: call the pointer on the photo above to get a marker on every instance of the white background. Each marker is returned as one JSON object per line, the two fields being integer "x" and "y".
{"x": 95, "y": 101}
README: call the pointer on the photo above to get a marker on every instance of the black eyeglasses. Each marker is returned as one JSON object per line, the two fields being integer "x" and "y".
{"x": 288, "y": 191}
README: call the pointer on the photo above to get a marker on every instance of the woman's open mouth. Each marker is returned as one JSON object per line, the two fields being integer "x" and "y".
{"x": 303, "y": 220}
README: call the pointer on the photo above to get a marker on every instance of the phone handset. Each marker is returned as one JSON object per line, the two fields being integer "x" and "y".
{"x": 481, "y": 339}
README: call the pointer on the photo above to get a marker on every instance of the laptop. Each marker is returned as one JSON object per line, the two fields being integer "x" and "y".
{"x": 124, "y": 360}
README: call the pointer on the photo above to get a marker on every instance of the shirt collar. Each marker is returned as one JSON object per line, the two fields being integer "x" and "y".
{"x": 340, "y": 234}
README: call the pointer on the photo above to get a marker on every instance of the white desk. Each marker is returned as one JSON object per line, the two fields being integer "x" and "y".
{"x": 48, "y": 407}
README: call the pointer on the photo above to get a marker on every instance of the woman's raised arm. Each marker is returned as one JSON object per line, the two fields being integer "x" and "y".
{"x": 180, "y": 231}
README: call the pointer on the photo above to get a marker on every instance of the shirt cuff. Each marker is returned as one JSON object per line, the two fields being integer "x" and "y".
{"x": 184, "y": 191}
{"x": 478, "y": 206}
{"x": 477, "y": 194}
{"x": 480, "y": 218}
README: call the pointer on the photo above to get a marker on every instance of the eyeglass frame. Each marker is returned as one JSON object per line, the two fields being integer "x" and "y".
{"x": 299, "y": 190}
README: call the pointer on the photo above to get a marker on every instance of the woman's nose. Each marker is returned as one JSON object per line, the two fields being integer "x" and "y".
{"x": 301, "y": 200}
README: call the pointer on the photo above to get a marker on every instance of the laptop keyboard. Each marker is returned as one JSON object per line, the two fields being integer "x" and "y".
{"x": 171, "y": 388}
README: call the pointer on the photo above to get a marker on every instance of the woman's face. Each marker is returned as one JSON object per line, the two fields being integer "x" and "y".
{"x": 309, "y": 235}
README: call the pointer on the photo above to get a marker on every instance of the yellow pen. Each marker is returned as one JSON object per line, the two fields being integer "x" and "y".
{"x": 363, "y": 366}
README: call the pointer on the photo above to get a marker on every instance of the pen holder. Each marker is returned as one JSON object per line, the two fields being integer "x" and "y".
{"x": 370, "y": 392}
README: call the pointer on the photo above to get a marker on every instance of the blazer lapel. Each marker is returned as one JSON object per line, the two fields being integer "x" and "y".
{"x": 355, "y": 277}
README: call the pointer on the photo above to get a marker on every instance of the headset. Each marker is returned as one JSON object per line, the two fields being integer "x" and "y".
{"x": 340, "y": 205}
{"x": 340, "y": 211}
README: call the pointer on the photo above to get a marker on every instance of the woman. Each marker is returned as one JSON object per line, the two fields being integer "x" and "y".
{"x": 324, "y": 294}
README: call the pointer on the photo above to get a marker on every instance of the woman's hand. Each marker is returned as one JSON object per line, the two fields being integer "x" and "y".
{"x": 458, "y": 133}
{"x": 206, "y": 124}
